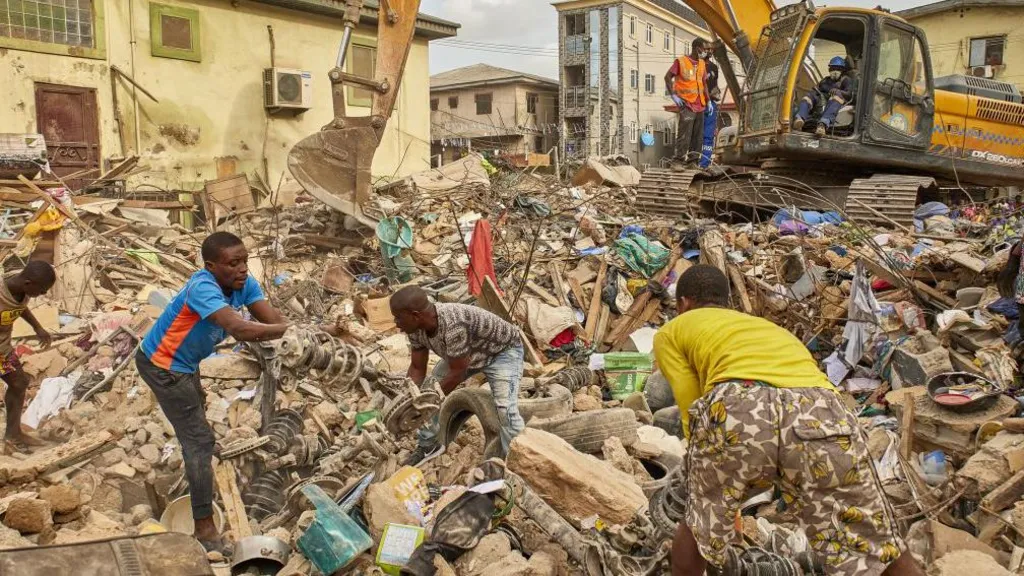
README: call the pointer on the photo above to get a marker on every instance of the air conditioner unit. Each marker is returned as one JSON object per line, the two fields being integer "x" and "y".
{"x": 284, "y": 88}
{"x": 982, "y": 71}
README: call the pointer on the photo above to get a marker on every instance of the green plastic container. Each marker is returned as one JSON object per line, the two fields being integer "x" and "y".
{"x": 627, "y": 372}
{"x": 334, "y": 540}
{"x": 363, "y": 417}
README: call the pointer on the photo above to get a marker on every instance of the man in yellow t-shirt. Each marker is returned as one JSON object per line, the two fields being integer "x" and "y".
{"x": 760, "y": 415}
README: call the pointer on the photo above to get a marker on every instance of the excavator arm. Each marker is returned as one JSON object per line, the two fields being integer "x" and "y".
{"x": 737, "y": 23}
{"x": 334, "y": 165}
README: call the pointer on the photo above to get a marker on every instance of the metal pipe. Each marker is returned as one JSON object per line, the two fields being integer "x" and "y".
{"x": 583, "y": 551}
{"x": 346, "y": 38}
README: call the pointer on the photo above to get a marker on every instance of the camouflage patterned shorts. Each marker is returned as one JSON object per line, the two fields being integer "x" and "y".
{"x": 747, "y": 437}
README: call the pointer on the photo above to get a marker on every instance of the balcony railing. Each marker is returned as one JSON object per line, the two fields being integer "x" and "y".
{"x": 576, "y": 45}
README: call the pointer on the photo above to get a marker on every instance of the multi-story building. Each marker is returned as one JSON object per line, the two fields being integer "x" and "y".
{"x": 613, "y": 56}
{"x": 487, "y": 108}
{"x": 973, "y": 37}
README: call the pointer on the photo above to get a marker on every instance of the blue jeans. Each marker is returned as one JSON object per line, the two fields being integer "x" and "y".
{"x": 503, "y": 375}
{"x": 808, "y": 103}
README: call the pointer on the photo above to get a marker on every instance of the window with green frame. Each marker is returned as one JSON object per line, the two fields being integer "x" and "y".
{"x": 174, "y": 32}
{"x": 73, "y": 27}
{"x": 361, "y": 60}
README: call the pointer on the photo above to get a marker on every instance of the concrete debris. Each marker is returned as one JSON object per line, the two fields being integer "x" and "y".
{"x": 63, "y": 498}
{"x": 970, "y": 562}
{"x": 886, "y": 312}
{"x": 28, "y": 515}
{"x": 576, "y": 485}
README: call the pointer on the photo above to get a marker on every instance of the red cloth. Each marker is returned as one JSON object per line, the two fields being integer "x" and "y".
{"x": 564, "y": 337}
{"x": 481, "y": 260}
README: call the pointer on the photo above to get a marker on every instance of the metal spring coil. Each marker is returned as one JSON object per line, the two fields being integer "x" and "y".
{"x": 286, "y": 425}
{"x": 573, "y": 378}
{"x": 265, "y": 495}
{"x": 336, "y": 360}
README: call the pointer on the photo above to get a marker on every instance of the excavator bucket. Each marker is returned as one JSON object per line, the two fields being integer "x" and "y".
{"x": 334, "y": 165}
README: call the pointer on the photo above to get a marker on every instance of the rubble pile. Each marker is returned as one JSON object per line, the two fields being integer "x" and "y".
{"x": 311, "y": 429}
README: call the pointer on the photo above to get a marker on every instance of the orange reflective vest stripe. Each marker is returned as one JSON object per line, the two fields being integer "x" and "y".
{"x": 690, "y": 82}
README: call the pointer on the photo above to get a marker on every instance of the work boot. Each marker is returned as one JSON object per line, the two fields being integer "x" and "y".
{"x": 798, "y": 124}
{"x": 423, "y": 454}
{"x": 820, "y": 130}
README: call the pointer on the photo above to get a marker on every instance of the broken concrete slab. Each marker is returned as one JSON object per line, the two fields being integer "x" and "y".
{"x": 382, "y": 506}
{"x": 28, "y": 515}
{"x": 970, "y": 562}
{"x": 988, "y": 468}
{"x": 229, "y": 367}
{"x": 919, "y": 359}
{"x": 576, "y": 485}
{"x": 63, "y": 498}
{"x": 599, "y": 173}
{"x": 615, "y": 454}
{"x": 491, "y": 548}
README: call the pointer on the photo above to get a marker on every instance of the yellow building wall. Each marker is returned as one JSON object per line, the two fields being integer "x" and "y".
{"x": 949, "y": 39}
{"x": 214, "y": 108}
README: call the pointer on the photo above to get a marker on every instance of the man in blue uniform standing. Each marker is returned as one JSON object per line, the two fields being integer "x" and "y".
{"x": 837, "y": 87}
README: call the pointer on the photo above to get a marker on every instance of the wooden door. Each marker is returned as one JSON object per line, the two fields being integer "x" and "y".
{"x": 67, "y": 117}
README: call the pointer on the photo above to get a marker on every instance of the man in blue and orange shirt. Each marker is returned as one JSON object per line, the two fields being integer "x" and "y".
{"x": 204, "y": 313}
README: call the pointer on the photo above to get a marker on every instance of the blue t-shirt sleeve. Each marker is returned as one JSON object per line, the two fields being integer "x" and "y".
{"x": 252, "y": 292}
{"x": 204, "y": 297}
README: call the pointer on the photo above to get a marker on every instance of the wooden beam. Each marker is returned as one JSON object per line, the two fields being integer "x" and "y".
{"x": 740, "y": 286}
{"x": 648, "y": 313}
{"x": 594, "y": 311}
{"x": 934, "y": 294}
{"x": 907, "y": 431}
{"x": 542, "y": 294}
{"x": 1005, "y": 494}
{"x": 556, "y": 281}
{"x": 234, "y": 509}
{"x": 577, "y": 292}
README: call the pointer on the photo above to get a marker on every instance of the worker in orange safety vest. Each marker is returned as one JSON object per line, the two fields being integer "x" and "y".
{"x": 686, "y": 81}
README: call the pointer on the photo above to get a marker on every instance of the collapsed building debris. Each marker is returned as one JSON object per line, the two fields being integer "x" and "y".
{"x": 311, "y": 428}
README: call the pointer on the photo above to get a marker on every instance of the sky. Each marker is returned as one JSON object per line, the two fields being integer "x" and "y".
{"x": 522, "y": 35}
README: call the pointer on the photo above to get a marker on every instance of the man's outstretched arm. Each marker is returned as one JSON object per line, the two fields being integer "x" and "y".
{"x": 244, "y": 331}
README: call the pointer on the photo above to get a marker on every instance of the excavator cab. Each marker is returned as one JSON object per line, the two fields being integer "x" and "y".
{"x": 892, "y": 106}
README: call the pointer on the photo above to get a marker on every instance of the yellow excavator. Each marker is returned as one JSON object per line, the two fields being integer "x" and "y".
{"x": 904, "y": 135}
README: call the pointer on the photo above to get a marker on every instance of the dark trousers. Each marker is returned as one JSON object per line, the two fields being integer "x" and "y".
{"x": 183, "y": 401}
{"x": 828, "y": 116}
{"x": 689, "y": 135}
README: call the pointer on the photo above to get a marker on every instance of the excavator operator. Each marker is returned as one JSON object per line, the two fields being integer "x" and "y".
{"x": 837, "y": 87}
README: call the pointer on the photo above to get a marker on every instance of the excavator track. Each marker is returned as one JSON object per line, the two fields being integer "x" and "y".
{"x": 880, "y": 200}
{"x": 667, "y": 192}
{"x": 886, "y": 198}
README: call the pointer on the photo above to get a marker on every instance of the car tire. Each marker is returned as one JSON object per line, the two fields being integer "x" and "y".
{"x": 461, "y": 405}
{"x": 555, "y": 401}
{"x": 587, "y": 431}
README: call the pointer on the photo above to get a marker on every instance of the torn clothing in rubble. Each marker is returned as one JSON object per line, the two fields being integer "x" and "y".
{"x": 467, "y": 331}
{"x": 749, "y": 437}
{"x": 503, "y": 375}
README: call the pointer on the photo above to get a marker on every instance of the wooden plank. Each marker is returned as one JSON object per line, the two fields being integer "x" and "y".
{"x": 1005, "y": 494}
{"x": 934, "y": 294}
{"x": 577, "y": 291}
{"x": 542, "y": 294}
{"x": 907, "y": 431}
{"x": 556, "y": 281}
{"x": 234, "y": 509}
{"x": 741, "y": 288}
{"x": 490, "y": 299}
{"x": 604, "y": 318}
{"x": 639, "y": 305}
{"x": 649, "y": 311}
{"x": 594, "y": 310}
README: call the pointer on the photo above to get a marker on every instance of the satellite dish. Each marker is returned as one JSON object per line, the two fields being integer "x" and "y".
{"x": 647, "y": 138}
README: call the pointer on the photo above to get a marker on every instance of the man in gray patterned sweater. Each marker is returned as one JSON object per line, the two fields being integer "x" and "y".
{"x": 469, "y": 340}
